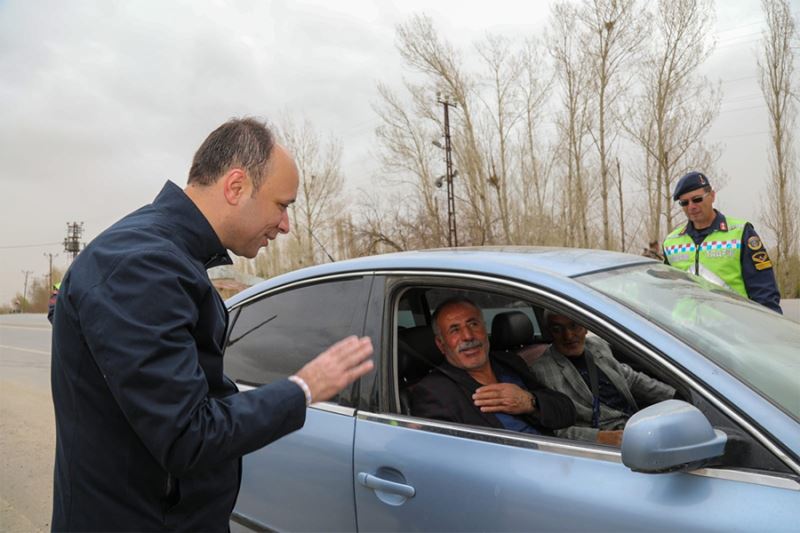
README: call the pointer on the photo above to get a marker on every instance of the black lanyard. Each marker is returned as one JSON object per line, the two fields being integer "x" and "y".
{"x": 592, "y": 370}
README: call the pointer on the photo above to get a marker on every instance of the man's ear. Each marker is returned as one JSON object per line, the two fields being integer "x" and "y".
{"x": 439, "y": 343}
{"x": 235, "y": 186}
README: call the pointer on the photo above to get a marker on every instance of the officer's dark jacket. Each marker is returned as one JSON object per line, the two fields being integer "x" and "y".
{"x": 149, "y": 433}
{"x": 446, "y": 394}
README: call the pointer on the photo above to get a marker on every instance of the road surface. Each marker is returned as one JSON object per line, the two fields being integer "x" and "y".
{"x": 27, "y": 433}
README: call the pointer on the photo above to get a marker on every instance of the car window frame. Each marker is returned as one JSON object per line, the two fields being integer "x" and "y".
{"x": 610, "y": 330}
{"x": 346, "y": 401}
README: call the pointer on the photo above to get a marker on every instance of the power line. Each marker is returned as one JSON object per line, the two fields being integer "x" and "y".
{"x": 71, "y": 242}
{"x": 740, "y": 36}
{"x": 754, "y": 76}
{"x": 741, "y": 135}
{"x": 743, "y": 108}
{"x": 14, "y": 246}
{"x": 736, "y": 43}
{"x": 740, "y": 27}
{"x": 754, "y": 23}
{"x": 741, "y": 98}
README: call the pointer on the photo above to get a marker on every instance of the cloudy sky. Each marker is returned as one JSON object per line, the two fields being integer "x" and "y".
{"x": 103, "y": 100}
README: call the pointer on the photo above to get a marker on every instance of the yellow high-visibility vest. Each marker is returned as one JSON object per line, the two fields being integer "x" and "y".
{"x": 717, "y": 258}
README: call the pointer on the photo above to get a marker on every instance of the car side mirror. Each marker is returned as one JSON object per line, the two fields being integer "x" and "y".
{"x": 670, "y": 436}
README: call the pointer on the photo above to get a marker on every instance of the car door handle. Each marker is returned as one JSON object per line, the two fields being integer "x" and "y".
{"x": 384, "y": 485}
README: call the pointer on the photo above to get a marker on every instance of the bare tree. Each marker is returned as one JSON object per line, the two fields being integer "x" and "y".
{"x": 677, "y": 105}
{"x": 505, "y": 111}
{"x": 408, "y": 157}
{"x": 390, "y": 223}
{"x": 776, "y": 69}
{"x": 508, "y": 169}
{"x": 572, "y": 74}
{"x": 535, "y": 158}
{"x": 321, "y": 182}
{"x": 502, "y": 166}
{"x": 422, "y": 49}
{"x": 615, "y": 31}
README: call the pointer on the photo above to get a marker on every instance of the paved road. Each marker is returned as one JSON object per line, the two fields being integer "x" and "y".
{"x": 27, "y": 434}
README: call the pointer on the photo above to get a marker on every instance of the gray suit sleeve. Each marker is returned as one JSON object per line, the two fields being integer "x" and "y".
{"x": 578, "y": 433}
{"x": 643, "y": 387}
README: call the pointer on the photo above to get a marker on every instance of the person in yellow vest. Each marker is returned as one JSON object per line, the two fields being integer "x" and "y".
{"x": 51, "y": 304}
{"x": 724, "y": 250}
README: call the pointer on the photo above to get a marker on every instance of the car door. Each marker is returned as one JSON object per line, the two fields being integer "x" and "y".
{"x": 448, "y": 478}
{"x": 426, "y": 475}
{"x": 304, "y": 480}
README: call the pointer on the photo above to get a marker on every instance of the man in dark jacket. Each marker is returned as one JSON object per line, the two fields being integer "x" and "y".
{"x": 479, "y": 388}
{"x": 149, "y": 432}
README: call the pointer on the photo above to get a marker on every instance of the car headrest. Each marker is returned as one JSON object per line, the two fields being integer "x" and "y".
{"x": 511, "y": 330}
{"x": 417, "y": 353}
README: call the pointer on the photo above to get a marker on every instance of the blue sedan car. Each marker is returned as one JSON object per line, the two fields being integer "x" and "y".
{"x": 723, "y": 455}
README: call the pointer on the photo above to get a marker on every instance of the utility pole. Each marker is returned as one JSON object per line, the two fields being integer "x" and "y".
{"x": 25, "y": 290}
{"x": 50, "y": 272}
{"x": 621, "y": 207}
{"x": 72, "y": 243}
{"x": 452, "y": 234}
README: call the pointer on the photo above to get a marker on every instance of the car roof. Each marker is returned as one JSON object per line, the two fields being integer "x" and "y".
{"x": 510, "y": 261}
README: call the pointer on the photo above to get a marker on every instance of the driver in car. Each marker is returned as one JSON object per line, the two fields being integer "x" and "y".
{"x": 475, "y": 387}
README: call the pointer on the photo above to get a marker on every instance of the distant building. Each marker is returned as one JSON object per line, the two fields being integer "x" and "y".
{"x": 229, "y": 281}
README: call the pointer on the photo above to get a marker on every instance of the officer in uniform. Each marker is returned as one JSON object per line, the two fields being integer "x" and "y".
{"x": 726, "y": 251}
{"x": 51, "y": 304}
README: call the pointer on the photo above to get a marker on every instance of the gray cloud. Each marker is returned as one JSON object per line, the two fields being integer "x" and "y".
{"x": 103, "y": 100}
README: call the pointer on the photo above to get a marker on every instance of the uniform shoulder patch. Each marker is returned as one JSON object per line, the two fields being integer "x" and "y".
{"x": 760, "y": 258}
{"x": 754, "y": 243}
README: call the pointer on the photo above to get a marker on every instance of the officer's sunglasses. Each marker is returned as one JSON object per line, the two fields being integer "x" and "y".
{"x": 695, "y": 200}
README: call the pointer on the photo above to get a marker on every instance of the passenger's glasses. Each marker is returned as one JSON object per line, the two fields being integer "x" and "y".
{"x": 695, "y": 200}
{"x": 559, "y": 329}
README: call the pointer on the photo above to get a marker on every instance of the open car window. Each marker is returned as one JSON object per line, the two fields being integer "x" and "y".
{"x": 414, "y": 306}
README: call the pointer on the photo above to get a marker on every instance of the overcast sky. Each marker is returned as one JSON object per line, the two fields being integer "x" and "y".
{"x": 104, "y": 100}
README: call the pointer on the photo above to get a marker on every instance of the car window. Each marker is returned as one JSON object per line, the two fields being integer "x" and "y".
{"x": 405, "y": 318}
{"x": 416, "y": 352}
{"x": 491, "y": 304}
{"x": 275, "y": 336}
{"x": 415, "y": 360}
{"x": 761, "y": 350}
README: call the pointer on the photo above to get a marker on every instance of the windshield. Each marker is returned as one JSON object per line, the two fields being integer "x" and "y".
{"x": 752, "y": 342}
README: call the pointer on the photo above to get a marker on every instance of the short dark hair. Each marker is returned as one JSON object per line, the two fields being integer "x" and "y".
{"x": 447, "y": 303}
{"x": 240, "y": 142}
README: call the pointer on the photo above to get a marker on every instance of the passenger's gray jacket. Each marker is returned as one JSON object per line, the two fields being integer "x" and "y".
{"x": 554, "y": 371}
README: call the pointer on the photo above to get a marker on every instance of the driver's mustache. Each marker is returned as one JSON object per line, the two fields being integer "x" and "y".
{"x": 468, "y": 345}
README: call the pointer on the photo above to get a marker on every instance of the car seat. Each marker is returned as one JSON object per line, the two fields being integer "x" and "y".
{"x": 417, "y": 354}
{"x": 512, "y": 331}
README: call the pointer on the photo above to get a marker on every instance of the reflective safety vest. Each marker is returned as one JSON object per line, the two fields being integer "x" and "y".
{"x": 717, "y": 258}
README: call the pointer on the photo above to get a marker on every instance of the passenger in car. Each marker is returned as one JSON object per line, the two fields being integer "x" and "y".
{"x": 475, "y": 387}
{"x": 605, "y": 391}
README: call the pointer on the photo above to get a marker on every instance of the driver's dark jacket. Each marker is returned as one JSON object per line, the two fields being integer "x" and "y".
{"x": 446, "y": 394}
{"x": 149, "y": 432}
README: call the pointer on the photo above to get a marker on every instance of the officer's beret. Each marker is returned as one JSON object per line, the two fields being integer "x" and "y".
{"x": 690, "y": 182}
